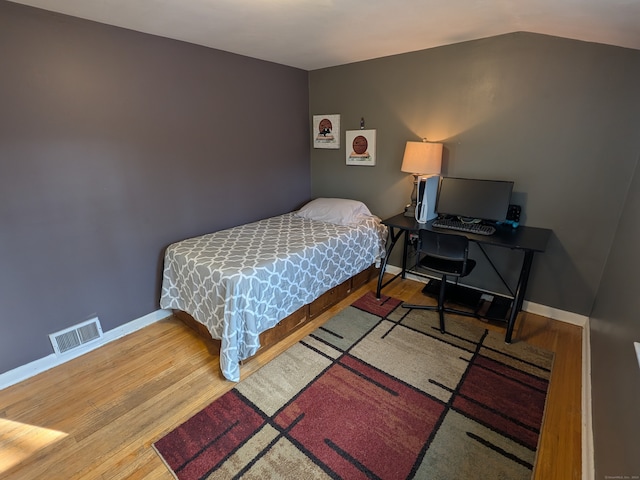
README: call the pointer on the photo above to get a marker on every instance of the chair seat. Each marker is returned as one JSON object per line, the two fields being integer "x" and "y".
{"x": 448, "y": 255}
{"x": 448, "y": 267}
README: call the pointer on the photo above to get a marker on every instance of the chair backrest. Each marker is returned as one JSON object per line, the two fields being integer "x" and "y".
{"x": 445, "y": 246}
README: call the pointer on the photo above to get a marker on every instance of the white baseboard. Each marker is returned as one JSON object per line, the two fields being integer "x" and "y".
{"x": 556, "y": 314}
{"x": 588, "y": 466}
{"x": 43, "y": 364}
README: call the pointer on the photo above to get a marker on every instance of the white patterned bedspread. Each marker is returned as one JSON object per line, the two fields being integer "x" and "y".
{"x": 242, "y": 281}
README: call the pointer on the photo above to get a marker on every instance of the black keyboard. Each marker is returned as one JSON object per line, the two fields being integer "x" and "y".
{"x": 468, "y": 227}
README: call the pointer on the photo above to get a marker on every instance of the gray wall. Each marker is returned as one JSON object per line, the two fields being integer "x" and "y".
{"x": 114, "y": 144}
{"x": 557, "y": 116}
{"x": 615, "y": 324}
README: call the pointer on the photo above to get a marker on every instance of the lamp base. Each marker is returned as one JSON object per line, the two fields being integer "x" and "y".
{"x": 410, "y": 210}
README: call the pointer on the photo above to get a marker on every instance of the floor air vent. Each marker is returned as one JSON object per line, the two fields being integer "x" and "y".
{"x": 76, "y": 336}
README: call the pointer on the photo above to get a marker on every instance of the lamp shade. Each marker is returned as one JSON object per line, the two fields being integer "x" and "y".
{"x": 424, "y": 158}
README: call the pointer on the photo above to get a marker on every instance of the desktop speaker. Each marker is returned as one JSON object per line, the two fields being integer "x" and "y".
{"x": 513, "y": 216}
{"x": 513, "y": 213}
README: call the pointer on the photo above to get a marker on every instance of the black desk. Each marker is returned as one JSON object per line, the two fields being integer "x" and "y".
{"x": 527, "y": 239}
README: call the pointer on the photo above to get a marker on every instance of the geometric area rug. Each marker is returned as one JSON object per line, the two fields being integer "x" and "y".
{"x": 376, "y": 392}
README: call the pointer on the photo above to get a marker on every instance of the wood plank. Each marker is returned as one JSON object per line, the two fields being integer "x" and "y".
{"x": 111, "y": 404}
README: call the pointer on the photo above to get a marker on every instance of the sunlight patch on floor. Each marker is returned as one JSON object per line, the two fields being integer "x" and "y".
{"x": 18, "y": 441}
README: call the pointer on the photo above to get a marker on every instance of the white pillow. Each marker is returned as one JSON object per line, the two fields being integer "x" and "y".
{"x": 335, "y": 210}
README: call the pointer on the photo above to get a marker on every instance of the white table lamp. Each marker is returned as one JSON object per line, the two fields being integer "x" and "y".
{"x": 421, "y": 159}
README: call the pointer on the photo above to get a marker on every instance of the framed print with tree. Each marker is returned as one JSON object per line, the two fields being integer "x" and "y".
{"x": 326, "y": 131}
{"x": 361, "y": 147}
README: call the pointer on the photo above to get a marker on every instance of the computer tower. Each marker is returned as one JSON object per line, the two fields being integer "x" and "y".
{"x": 427, "y": 194}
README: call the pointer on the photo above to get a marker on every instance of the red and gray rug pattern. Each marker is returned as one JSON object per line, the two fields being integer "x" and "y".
{"x": 377, "y": 392}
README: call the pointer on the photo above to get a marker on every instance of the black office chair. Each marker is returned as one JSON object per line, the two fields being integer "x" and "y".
{"x": 447, "y": 255}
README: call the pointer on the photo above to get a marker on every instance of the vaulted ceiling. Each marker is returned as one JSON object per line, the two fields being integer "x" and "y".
{"x": 312, "y": 34}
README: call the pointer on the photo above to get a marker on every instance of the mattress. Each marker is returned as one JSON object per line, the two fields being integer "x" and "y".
{"x": 242, "y": 281}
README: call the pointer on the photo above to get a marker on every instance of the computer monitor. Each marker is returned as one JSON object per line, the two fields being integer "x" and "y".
{"x": 474, "y": 198}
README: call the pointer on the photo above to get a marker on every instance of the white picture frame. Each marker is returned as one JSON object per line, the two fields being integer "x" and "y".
{"x": 326, "y": 131}
{"x": 360, "y": 147}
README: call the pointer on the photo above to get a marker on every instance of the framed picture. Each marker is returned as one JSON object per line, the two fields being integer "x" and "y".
{"x": 326, "y": 131}
{"x": 361, "y": 147}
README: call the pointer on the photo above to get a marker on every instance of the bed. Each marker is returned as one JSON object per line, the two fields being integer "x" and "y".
{"x": 242, "y": 281}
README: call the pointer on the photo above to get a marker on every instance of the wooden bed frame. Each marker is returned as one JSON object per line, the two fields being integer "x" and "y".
{"x": 297, "y": 319}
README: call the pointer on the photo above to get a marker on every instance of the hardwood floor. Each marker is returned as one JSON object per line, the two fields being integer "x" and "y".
{"x": 97, "y": 416}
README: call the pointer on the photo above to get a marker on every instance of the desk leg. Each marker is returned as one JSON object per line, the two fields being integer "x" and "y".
{"x": 394, "y": 236}
{"x": 405, "y": 248}
{"x": 519, "y": 296}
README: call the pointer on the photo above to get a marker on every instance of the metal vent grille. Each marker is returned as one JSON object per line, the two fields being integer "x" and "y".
{"x": 76, "y": 336}
{"x": 88, "y": 332}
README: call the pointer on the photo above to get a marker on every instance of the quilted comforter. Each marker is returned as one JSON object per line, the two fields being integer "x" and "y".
{"x": 242, "y": 281}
